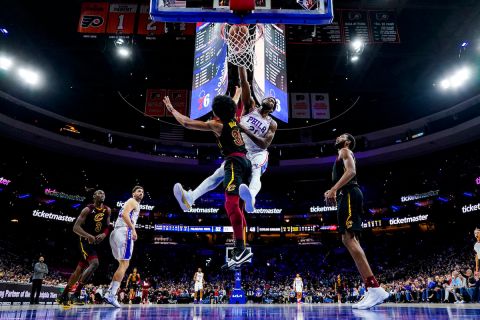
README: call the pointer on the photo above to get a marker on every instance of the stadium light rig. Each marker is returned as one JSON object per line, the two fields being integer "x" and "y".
{"x": 6, "y": 63}
{"x": 457, "y": 79}
{"x": 29, "y": 76}
{"x": 123, "y": 49}
{"x": 355, "y": 50}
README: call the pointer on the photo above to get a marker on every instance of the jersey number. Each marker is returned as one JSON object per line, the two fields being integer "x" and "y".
{"x": 252, "y": 129}
{"x": 237, "y": 138}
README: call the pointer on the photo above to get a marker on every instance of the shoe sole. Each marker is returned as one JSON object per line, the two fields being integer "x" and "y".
{"x": 239, "y": 263}
{"x": 110, "y": 303}
{"x": 379, "y": 301}
{"x": 358, "y": 304}
{"x": 247, "y": 198}
{"x": 180, "y": 196}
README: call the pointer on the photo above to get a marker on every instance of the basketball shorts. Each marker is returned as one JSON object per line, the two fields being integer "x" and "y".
{"x": 198, "y": 286}
{"x": 87, "y": 252}
{"x": 121, "y": 243}
{"x": 298, "y": 289}
{"x": 350, "y": 209}
{"x": 259, "y": 160}
{"x": 238, "y": 170}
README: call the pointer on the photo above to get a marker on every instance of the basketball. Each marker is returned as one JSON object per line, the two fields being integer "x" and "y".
{"x": 238, "y": 35}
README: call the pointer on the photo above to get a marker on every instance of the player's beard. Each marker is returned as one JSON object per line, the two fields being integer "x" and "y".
{"x": 339, "y": 145}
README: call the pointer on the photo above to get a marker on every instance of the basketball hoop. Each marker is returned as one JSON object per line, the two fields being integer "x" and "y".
{"x": 241, "y": 39}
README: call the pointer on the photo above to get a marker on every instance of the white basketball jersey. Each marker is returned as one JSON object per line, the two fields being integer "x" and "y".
{"x": 133, "y": 216}
{"x": 476, "y": 247}
{"x": 298, "y": 282}
{"x": 257, "y": 125}
{"x": 199, "y": 277}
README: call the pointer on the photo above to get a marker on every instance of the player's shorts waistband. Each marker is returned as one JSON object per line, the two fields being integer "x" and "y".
{"x": 237, "y": 154}
{"x": 349, "y": 187}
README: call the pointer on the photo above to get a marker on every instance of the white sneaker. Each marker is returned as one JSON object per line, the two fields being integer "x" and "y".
{"x": 183, "y": 197}
{"x": 246, "y": 196}
{"x": 111, "y": 299}
{"x": 376, "y": 296}
{"x": 361, "y": 301}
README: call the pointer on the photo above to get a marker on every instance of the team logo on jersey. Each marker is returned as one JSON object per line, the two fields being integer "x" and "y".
{"x": 92, "y": 21}
{"x": 231, "y": 187}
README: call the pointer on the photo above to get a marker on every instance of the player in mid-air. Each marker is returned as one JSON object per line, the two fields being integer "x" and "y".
{"x": 121, "y": 241}
{"x": 92, "y": 226}
{"x": 237, "y": 168}
{"x": 258, "y": 131}
{"x": 348, "y": 197}
{"x": 298, "y": 287}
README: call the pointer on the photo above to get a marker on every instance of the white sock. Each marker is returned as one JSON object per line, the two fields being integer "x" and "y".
{"x": 255, "y": 183}
{"x": 114, "y": 287}
{"x": 209, "y": 184}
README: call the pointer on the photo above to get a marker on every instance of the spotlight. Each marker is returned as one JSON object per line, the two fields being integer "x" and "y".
{"x": 357, "y": 45}
{"x": 460, "y": 77}
{"x": 6, "y": 63}
{"x": 124, "y": 52}
{"x": 354, "y": 59}
{"x": 457, "y": 79}
{"x": 123, "y": 48}
{"x": 3, "y": 31}
{"x": 445, "y": 84}
{"x": 29, "y": 76}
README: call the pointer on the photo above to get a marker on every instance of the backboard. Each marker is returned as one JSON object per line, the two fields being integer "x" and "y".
{"x": 315, "y": 12}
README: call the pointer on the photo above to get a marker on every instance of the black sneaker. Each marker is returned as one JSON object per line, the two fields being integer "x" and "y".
{"x": 77, "y": 301}
{"x": 63, "y": 301}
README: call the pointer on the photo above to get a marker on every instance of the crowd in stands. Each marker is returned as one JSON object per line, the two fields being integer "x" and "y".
{"x": 443, "y": 275}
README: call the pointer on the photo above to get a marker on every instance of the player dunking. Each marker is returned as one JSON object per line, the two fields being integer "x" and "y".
{"x": 298, "y": 286}
{"x": 199, "y": 281}
{"x": 349, "y": 212}
{"x": 92, "y": 225}
{"x": 237, "y": 167}
{"x": 258, "y": 132}
{"x": 121, "y": 241}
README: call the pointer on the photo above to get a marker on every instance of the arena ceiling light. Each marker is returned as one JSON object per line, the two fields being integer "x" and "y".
{"x": 457, "y": 79}
{"x": 6, "y": 63}
{"x": 357, "y": 45}
{"x": 29, "y": 76}
{"x": 355, "y": 49}
{"x": 123, "y": 49}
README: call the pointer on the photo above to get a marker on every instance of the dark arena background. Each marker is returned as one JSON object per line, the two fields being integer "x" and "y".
{"x": 81, "y": 89}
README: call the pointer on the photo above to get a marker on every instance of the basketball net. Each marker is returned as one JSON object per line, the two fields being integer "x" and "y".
{"x": 241, "y": 47}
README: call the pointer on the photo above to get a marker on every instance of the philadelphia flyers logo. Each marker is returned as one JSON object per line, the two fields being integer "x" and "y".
{"x": 92, "y": 21}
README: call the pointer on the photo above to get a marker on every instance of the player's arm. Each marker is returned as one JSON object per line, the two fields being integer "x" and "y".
{"x": 476, "y": 262}
{"x": 186, "y": 121}
{"x": 128, "y": 207}
{"x": 237, "y": 95}
{"x": 128, "y": 280}
{"x": 99, "y": 238}
{"x": 77, "y": 227}
{"x": 264, "y": 142}
{"x": 350, "y": 172}
{"x": 246, "y": 92}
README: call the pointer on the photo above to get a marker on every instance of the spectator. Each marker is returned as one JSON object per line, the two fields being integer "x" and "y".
{"x": 39, "y": 272}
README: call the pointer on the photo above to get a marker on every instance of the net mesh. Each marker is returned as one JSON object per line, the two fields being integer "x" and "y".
{"x": 241, "y": 43}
